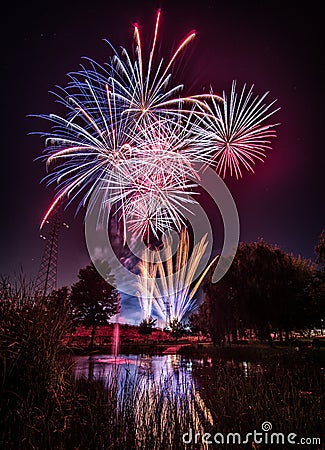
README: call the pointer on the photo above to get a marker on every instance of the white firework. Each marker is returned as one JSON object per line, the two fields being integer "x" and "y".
{"x": 125, "y": 125}
{"x": 129, "y": 132}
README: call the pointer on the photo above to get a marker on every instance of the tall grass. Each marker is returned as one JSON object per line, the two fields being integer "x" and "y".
{"x": 34, "y": 373}
{"x": 291, "y": 397}
{"x": 44, "y": 407}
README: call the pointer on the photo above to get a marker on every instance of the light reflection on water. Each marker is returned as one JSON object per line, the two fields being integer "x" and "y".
{"x": 155, "y": 377}
{"x": 101, "y": 366}
{"x": 173, "y": 366}
{"x": 167, "y": 376}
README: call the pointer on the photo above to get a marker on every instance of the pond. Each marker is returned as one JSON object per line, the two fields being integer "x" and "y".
{"x": 101, "y": 366}
{"x": 174, "y": 392}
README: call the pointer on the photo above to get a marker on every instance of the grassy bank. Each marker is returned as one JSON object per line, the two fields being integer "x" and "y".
{"x": 256, "y": 352}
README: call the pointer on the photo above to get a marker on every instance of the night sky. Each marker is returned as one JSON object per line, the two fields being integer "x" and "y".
{"x": 278, "y": 47}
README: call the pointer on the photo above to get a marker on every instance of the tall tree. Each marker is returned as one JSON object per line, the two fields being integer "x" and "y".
{"x": 93, "y": 299}
{"x": 264, "y": 290}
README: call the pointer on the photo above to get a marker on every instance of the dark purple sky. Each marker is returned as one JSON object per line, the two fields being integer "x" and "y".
{"x": 277, "y": 46}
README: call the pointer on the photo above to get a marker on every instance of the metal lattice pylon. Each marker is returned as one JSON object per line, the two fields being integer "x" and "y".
{"x": 46, "y": 280}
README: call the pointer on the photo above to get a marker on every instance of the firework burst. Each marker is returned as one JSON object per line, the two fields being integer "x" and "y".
{"x": 129, "y": 132}
{"x": 237, "y": 133}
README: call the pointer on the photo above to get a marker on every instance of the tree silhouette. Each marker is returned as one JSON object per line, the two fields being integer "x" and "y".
{"x": 93, "y": 299}
{"x": 265, "y": 290}
{"x": 146, "y": 326}
{"x": 177, "y": 328}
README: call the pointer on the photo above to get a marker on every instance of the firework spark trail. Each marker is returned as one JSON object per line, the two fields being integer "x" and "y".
{"x": 109, "y": 107}
{"x": 128, "y": 131}
{"x": 150, "y": 101}
{"x": 159, "y": 195}
{"x": 237, "y": 135}
{"x": 155, "y": 181}
{"x": 166, "y": 290}
{"x": 148, "y": 272}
